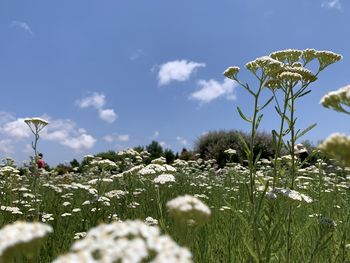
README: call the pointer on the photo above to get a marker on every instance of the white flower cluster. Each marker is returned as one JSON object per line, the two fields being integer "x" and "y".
{"x": 231, "y": 72}
{"x": 291, "y": 194}
{"x": 154, "y": 168}
{"x": 104, "y": 164}
{"x": 8, "y": 170}
{"x": 336, "y": 99}
{"x": 27, "y": 236}
{"x": 160, "y": 160}
{"x": 126, "y": 242}
{"x": 164, "y": 178}
{"x": 36, "y": 121}
{"x": 230, "y": 151}
{"x": 337, "y": 146}
{"x": 11, "y": 209}
{"x": 189, "y": 210}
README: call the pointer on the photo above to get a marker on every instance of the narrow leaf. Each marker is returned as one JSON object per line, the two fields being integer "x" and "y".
{"x": 304, "y": 93}
{"x": 305, "y": 131}
{"x": 267, "y": 103}
{"x": 243, "y": 116}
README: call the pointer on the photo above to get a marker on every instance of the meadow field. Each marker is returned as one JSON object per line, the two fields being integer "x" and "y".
{"x": 109, "y": 192}
{"x": 137, "y": 209}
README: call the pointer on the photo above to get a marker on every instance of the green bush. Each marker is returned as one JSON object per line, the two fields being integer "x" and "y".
{"x": 213, "y": 144}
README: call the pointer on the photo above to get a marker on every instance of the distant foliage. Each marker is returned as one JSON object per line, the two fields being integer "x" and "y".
{"x": 213, "y": 144}
{"x": 169, "y": 156}
{"x": 155, "y": 149}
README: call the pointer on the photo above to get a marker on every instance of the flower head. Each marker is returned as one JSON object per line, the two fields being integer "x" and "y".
{"x": 338, "y": 147}
{"x": 129, "y": 241}
{"x": 288, "y": 55}
{"x": 231, "y": 72}
{"x": 21, "y": 237}
{"x": 336, "y": 99}
{"x": 189, "y": 210}
{"x": 326, "y": 58}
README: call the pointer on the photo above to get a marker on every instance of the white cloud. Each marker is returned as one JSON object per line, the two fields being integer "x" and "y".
{"x": 22, "y": 25}
{"x": 182, "y": 140}
{"x": 96, "y": 100}
{"x": 117, "y": 137}
{"x": 155, "y": 135}
{"x": 108, "y": 115}
{"x": 164, "y": 144}
{"x": 212, "y": 89}
{"x": 6, "y": 146}
{"x": 332, "y": 4}
{"x": 16, "y": 129}
{"x": 179, "y": 70}
{"x": 66, "y": 133}
{"x": 81, "y": 142}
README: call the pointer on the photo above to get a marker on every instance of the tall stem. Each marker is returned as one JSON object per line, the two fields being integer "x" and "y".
{"x": 292, "y": 143}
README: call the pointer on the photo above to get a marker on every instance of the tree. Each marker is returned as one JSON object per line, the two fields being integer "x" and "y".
{"x": 155, "y": 149}
{"x": 169, "y": 156}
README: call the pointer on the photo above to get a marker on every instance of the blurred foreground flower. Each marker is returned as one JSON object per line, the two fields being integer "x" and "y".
{"x": 189, "y": 210}
{"x": 21, "y": 238}
{"x": 338, "y": 147}
{"x": 336, "y": 100}
{"x": 126, "y": 242}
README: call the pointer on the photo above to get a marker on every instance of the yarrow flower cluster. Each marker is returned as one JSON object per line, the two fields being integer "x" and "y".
{"x": 336, "y": 99}
{"x": 290, "y": 194}
{"x": 189, "y": 210}
{"x": 338, "y": 147}
{"x": 21, "y": 237}
{"x": 129, "y": 241}
{"x": 231, "y": 72}
{"x": 164, "y": 178}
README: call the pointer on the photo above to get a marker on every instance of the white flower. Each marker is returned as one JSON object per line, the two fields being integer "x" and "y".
{"x": 129, "y": 241}
{"x": 336, "y": 100}
{"x": 164, "y": 178}
{"x": 291, "y": 194}
{"x": 23, "y": 235}
{"x": 189, "y": 209}
{"x": 338, "y": 147}
{"x": 151, "y": 221}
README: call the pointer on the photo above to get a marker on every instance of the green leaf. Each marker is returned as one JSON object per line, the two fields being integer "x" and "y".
{"x": 274, "y": 138}
{"x": 303, "y": 94}
{"x": 243, "y": 116}
{"x": 299, "y": 135}
{"x": 258, "y": 121}
{"x": 267, "y": 103}
{"x": 257, "y": 157}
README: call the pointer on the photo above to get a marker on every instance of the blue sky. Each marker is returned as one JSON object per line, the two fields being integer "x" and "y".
{"x": 114, "y": 74}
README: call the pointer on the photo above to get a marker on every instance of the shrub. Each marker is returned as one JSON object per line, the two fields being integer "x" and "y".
{"x": 213, "y": 144}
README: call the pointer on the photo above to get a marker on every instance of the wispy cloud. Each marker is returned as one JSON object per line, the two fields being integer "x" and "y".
{"x": 155, "y": 135}
{"x": 117, "y": 138}
{"x": 182, "y": 141}
{"x": 136, "y": 54}
{"x": 177, "y": 70}
{"x": 16, "y": 129}
{"x": 65, "y": 132}
{"x": 332, "y": 4}
{"x": 212, "y": 89}
{"x": 6, "y": 146}
{"x": 98, "y": 101}
{"x": 22, "y": 25}
{"x": 95, "y": 100}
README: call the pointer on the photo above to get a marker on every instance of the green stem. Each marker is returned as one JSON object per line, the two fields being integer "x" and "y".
{"x": 290, "y": 209}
